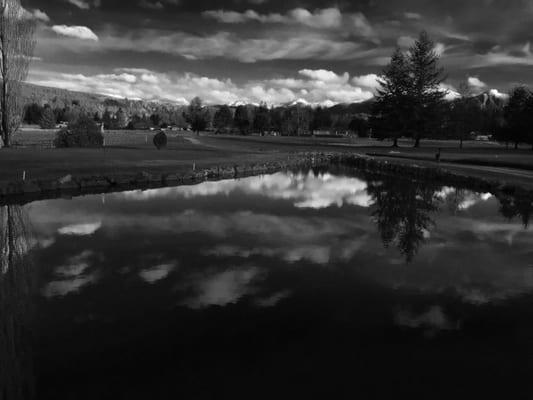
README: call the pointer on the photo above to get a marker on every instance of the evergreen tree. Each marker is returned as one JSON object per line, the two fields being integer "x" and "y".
{"x": 197, "y": 115}
{"x": 242, "y": 120}
{"x": 262, "y": 119}
{"x": 321, "y": 119}
{"x": 426, "y": 95}
{"x": 392, "y": 112}
{"x": 517, "y": 115}
{"x": 410, "y": 98}
{"x": 48, "y": 119}
{"x": 223, "y": 119}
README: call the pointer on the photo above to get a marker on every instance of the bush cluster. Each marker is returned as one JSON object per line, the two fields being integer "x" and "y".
{"x": 82, "y": 133}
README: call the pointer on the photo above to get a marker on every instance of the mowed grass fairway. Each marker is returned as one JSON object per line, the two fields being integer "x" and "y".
{"x": 128, "y": 152}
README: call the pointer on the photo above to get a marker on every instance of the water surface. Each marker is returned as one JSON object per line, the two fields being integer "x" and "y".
{"x": 303, "y": 285}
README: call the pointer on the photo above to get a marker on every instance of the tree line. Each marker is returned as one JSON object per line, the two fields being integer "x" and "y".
{"x": 297, "y": 119}
{"x": 411, "y": 103}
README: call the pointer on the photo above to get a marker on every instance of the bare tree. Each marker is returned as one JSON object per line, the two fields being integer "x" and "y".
{"x": 17, "y": 43}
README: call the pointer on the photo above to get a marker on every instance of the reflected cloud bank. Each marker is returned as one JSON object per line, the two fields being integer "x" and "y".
{"x": 304, "y": 190}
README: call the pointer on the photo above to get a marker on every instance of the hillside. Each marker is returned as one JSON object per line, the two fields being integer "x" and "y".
{"x": 61, "y": 98}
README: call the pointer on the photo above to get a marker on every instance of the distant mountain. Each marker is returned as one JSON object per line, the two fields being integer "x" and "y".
{"x": 62, "y": 98}
{"x": 492, "y": 98}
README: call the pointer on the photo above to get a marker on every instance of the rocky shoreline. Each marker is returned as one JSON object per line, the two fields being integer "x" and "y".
{"x": 23, "y": 192}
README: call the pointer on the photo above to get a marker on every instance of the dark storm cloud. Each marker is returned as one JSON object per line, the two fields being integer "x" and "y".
{"x": 242, "y": 45}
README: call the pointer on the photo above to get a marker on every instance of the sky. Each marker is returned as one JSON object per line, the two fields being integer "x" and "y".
{"x": 271, "y": 50}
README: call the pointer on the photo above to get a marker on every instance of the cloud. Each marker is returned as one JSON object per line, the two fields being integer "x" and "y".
{"x": 412, "y": 15}
{"x": 72, "y": 276}
{"x": 318, "y": 87}
{"x": 157, "y": 273}
{"x": 326, "y": 18}
{"x": 79, "y": 32}
{"x": 321, "y": 18}
{"x": 157, "y": 5}
{"x": 304, "y": 190}
{"x": 82, "y": 4}
{"x": 433, "y": 319}
{"x": 152, "y": 6}
{"x": 475, "y": 82}
{"x": 222, "y": 288}
{"x": 80, "y": 229}
{"x": 39, "y": 15}
{"x": 368, "y": 81}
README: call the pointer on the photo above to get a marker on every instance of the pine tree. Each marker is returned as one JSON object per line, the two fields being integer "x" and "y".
{"x": 242, "y": 119}
{"x": 517, "y": 114}
{"x": 392, "y": 112}
{"x": 223, "y": 119}
{"x": 426, "y": 94}
{"x": 261, "y": 119}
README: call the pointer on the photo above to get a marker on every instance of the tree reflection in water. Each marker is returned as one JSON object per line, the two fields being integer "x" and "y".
{"x": 521, "y": 207}
{"x": 403, "y": 209}
{"x": 16, "y": 370}
{"x": 402, "y": 212}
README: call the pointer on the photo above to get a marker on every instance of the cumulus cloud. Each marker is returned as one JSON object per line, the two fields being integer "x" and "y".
{"x": 223, "y": 288}
{"x": 305, "y": 190}
{"x": 80, "y": 229}
{"x": 39, "y": 15}
{"x": 475, "y": 82}
{"x": 71, "y": 277}
{"x": 318, "y": 87}
{"x": 78, "y": 32}
{"x": 368, "y": 81}
{"x": 157, "y": 273}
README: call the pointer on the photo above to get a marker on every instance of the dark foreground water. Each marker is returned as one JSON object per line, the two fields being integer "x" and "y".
{"x": 295, "y": 285}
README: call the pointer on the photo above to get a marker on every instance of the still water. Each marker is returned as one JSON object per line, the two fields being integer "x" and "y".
{"x": 293, "y": 285}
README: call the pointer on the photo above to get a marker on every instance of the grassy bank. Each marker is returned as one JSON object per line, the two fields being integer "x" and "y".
{"x": 129, "y": 153}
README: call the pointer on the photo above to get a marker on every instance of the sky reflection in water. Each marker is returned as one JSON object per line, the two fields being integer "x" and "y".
{"x": 294, "y": 273}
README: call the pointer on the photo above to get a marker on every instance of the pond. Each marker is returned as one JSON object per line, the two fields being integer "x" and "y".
{"x": 315, "y": 284}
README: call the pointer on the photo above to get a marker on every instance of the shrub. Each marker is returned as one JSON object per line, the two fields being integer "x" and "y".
{"x": 48, "y": 119}
{"x": 160, "y": 140}
{"x": 82, "y": 133}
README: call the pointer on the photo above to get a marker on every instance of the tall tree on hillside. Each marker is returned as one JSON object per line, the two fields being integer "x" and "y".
{"x": 464, "y": 113}
{"x": 242, "y": 119}
{"x": 426, "y": 94}
{"x": 261, "y": 119}
{"x": 16, "y": 50}
{"x": 517, "y": 115}
{"x": 392, "y": 112}
{"x": 107, "y": 119}
{"x": 322, "y": 120}
{"x": 223, "y": 119}
{"x": 197, "y": 115}
{"x": 122, "y": 119}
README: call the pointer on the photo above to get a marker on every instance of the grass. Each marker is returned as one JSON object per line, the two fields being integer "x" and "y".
{"x": 133, "y": 151}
